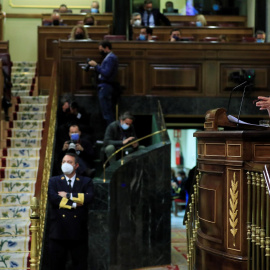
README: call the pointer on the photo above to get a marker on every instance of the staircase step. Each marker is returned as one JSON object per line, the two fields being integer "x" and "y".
{"x": 16, "y": 174}
{"x": 13, "y": 162}
{"x": 34, "y": 100}
{"x": 16, "y": 260}
{"x": 16, "y": 69}
{"x": 29, "y": 124}
{"x": 29, "y": 115}
{"x": 16, "y": 152}
{"x": 24, "y": 64}
{"x": 20, "y": 186}
{"x": 13, "y": 244}
{"x": 15, "y": 228}
{"x": 15, "y": 212}
{"x": 24, "y": 133}
{"x": 22, "y": 86}
{"x": 23, "y": 142}
{"x": 15, "y": 199}
{"x": 20, "y": 80}
{"x": 20, "y": 93}
{"x": 22, "y": 107}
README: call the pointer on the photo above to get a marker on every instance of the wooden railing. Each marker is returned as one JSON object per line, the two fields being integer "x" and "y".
{"x": 44, "y": 173}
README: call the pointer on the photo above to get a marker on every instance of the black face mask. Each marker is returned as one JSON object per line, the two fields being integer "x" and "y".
{"x": 79, "y": 36}
{"x": 89, "y": 23}
{"x": 55, "y": 22}
{"x": 103, "y": 53}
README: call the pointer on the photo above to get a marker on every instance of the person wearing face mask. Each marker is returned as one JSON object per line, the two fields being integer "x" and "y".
{"x": 69, "y": 195}
{"x": 89, "y": 20}
{"x": 260, "y": 36}
{"x": 169, "y": 8}
{"x": 175, "y": 35}
{"x": 135, "y": 21}
{"x": 83, "y": 148}
{"x": 200, "y": 21}
{"x": 95, "y": 7}
{"x": 152, "y": 16}
{"x": 79, "y": 32}
{"x": 107, "y": 73}
{"x": 145, "y": 34}
{"x": 55, "y": 20}
{"x": 120, "y": 133}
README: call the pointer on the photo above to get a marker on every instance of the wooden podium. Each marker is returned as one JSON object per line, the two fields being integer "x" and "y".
{"x": 229, "y": 161}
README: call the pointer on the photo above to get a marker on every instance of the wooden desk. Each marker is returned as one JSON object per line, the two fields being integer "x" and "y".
{"x": 233, "y": 33}
{"x": 47, "y": 34}
{"x": 4, "y": 46}
{"x": 227, "y": 207}
{"x": 240, "y": 21}
{"x": 72, "y": 19}
{"x": 191, "y": 69}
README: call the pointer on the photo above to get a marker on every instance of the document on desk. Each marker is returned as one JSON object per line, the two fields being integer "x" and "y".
{"x": 235, "y": 120}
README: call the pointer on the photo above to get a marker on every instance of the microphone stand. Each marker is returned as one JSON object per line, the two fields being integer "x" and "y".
{"x": 236, "y": 87}
{"x": 242, "y": 102}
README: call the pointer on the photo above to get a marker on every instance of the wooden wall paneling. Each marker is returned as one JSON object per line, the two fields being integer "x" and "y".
{"x": 261, "y": 82}
{"x": 4, "y": 46}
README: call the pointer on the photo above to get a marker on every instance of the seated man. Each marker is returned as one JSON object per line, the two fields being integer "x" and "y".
{"x": 145, "y": 34}
{"x": 119, "y": 133}
{"x": 55, "y": 20}
{"x": 175, "y": 35}
{"x": 83, "y": 148}
{"x": 260, "y": 36}
{"x": 136, "y": 19}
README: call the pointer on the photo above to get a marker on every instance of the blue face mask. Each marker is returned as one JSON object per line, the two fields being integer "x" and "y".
{"x": 74, "y": 136}
{"x": 94, "y": 10}
{"x": 260, "y": 40}
{"x": 170, "y": 9}
{"x": 142, "y": 37}
{"x": 176, "y": 38}
{"x": 198, "y": 23}
{"x": 124, "y": 126}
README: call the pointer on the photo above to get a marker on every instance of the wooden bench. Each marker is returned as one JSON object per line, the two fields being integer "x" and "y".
{"x": 73, "y": 19}
{"x": 214, "y": 20}
{"x": 234, "y": 34}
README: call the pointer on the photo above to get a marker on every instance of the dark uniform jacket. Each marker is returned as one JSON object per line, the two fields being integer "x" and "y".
{"x": 114, "y": 134}
{"x": 68, "y": 223}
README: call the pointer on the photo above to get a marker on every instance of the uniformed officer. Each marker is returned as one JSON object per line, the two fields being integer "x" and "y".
{"x": 69, "y": 194}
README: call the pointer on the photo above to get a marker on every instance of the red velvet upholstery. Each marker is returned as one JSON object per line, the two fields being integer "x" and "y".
{"x": 114, "y": 37}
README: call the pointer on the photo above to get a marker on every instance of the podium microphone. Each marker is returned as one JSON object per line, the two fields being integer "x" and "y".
{"x": 236, "y": 87}
{"x": 242, "y": 103}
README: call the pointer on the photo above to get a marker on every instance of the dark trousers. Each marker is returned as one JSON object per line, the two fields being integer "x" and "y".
{"x": 59, "y": 250}
{"x": 105, "y": 92}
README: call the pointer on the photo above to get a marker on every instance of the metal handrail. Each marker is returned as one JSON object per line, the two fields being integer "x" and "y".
{"x": 125, "y": 146}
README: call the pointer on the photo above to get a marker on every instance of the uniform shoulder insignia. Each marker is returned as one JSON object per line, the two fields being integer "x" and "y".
{"x": 62, "y": 178}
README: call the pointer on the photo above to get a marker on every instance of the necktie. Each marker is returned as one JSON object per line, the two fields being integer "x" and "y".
{"x": 69, "y": 185}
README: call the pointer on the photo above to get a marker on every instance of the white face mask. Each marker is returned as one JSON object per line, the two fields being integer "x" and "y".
{"x": 67, "y": 168}
{"x": 137, "y": 23}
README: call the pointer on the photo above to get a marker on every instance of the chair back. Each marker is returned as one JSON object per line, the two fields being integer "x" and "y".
{"x": 248, "y": 39}
{"x": 114, "y": 37}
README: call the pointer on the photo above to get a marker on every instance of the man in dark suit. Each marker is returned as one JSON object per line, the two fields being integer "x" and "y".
{"x": 107, "y": 72}
{"x": 152, "y": 16}
{"x": 69, "y": 195}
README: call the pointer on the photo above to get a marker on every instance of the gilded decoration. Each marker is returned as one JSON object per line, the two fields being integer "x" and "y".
{"x": 233, "y": 207}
